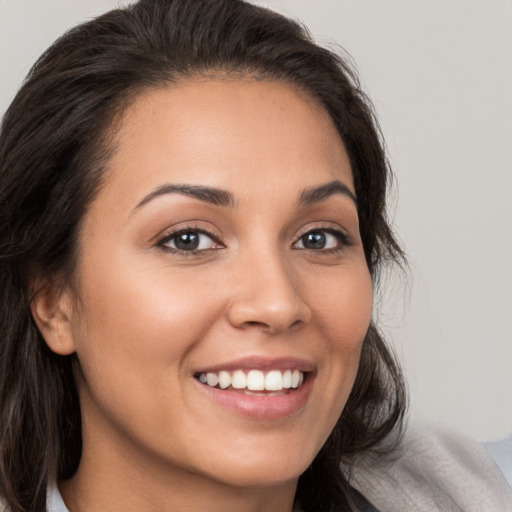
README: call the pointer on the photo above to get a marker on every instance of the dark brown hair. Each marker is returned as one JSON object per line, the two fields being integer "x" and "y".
{"x": 54, "y": 146}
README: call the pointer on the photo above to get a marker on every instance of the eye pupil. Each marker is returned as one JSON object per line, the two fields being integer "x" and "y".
{"x": 187, "y": 241}
{"x": 314, "y": 240}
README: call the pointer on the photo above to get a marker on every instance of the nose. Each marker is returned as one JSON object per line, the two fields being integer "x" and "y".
{"x": 266, "y": 294}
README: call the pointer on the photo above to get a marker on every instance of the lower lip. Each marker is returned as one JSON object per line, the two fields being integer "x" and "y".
{"x": 262, "y": 406}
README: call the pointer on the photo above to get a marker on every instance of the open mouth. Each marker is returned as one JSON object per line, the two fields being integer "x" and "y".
{"x": 259, "y": 388}
{"x": 254, "y": 381}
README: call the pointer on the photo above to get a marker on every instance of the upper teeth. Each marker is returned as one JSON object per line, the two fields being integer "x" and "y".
{"x": 254, "y": 380}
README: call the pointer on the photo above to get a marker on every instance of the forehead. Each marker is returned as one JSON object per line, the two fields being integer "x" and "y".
{"x": 233, "y": 134}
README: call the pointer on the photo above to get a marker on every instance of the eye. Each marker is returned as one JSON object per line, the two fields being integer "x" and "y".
{"x": 322, "y": 239}
{"x": 189, "y": 240}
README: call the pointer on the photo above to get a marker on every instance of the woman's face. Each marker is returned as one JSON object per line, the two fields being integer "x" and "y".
{"x": 224, "y": 246}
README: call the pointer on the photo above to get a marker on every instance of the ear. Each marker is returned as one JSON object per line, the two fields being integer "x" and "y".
{"x": 52, "y": 311}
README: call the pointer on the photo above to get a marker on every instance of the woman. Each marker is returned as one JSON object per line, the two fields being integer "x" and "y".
{"x": 193, "y": 222}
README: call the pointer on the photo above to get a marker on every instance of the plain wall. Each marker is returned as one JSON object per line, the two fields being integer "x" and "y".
{"x": 440, "y": 76}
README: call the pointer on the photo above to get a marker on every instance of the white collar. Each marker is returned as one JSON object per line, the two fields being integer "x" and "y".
{"x": 54, "y": 501}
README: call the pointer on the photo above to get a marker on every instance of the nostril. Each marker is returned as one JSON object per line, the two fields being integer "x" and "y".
{"x": 270, "y": 327}
{"x": 255, "y": 324}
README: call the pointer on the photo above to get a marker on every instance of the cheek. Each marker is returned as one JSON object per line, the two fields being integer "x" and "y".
{"x": 143, "y": 310}
{"x": 343, "y": 309}
{"x": 134, "y": 332}
{"x": 133, "y": 338}
{"x": 343, "y": 313}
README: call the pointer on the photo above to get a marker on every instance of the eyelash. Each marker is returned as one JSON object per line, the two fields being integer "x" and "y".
{"x": 161, "y": 243}
{"x": 344, "y": 239}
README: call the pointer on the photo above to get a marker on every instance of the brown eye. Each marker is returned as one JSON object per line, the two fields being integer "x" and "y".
{"x": 314, "y": 240}
{"x": 188, "y": 241}
{"x": 320, "y": 240}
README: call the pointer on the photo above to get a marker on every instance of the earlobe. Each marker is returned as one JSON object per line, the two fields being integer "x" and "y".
{"x": 52, "y": 312}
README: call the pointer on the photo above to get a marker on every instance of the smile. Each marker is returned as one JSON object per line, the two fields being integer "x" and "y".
{"x": 259, "y": 387}
{"x": 253, "y": 380}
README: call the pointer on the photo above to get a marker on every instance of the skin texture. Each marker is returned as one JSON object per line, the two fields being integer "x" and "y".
{"x": 148, "y": 318}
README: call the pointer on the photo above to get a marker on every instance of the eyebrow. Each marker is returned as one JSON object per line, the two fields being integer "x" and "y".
{"x": 220, "y": 197}
{"x": 212, "y": 195}
{"x": 313, "y": 195}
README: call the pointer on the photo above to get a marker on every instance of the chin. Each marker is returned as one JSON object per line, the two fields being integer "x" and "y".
{"x": 274, "y": 469}
{"x": 252, "y": 477}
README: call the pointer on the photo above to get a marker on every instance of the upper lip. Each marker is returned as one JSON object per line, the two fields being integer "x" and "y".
{"x": 261, "y": 363}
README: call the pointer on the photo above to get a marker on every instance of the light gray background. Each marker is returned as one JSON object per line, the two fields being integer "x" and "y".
{"x": 440, "y": 75}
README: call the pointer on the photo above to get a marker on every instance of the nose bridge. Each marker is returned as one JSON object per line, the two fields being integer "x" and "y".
{"x": 266, "y": 292}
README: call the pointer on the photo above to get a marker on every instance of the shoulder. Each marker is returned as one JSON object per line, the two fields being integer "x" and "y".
{"x": 501, "y": 452}
{"x": 434, "y": 470}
